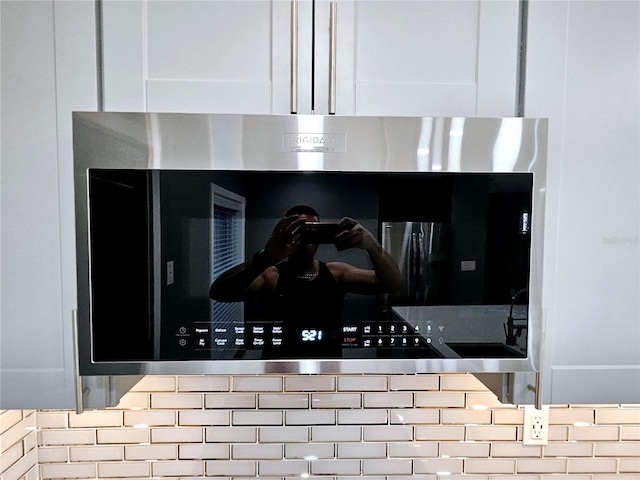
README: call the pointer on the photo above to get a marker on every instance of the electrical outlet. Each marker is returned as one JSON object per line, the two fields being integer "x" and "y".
{"x": 536, "y": 425}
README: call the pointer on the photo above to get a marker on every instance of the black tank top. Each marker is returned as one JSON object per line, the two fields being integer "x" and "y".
{"x": 310, "y": 312}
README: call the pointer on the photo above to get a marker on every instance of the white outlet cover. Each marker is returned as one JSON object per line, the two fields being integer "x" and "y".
{"x": 536, "y": 425}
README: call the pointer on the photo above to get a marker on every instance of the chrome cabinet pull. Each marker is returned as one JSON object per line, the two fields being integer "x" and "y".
{"x": 333, "y": 36}
{"x": 294, "y": 56}
{"x": 78, "y": 379}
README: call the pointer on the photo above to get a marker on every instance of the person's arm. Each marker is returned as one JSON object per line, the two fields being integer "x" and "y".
{"x": 245, "y": 280}
{"x": 385, "y": 277}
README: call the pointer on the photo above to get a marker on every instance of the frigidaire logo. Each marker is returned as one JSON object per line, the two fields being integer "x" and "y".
{"x": 314, "y": 142}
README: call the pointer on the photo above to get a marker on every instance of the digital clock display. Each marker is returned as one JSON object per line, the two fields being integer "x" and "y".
{"x": 311, "y": 335}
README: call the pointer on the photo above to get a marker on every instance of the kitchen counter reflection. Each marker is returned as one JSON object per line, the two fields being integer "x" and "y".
{"x": 469, "y": 331}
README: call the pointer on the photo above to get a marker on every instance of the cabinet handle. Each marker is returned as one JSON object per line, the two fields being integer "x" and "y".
{"x": 78, "y": 383}
{"x": 333, "y": 36}
{"x": 294, "y": 56}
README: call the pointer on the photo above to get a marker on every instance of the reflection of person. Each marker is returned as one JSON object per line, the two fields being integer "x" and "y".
{"x": 297, "y": 288}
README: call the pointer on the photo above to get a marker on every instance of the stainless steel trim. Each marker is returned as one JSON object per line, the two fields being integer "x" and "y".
{"x": 333, "y": 37}
{"x": 76, "y": 364}
{"x": 294, "y": 56}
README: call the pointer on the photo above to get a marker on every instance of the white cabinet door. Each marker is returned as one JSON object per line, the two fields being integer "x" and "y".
{"x": 48, "y": 70}
{"x": 585, "y": 81}
{"x": 212, "y": 56}
{"x": 430, "y": 58}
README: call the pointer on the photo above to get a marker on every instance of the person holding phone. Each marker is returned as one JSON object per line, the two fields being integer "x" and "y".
{"x": 307, "y": 295}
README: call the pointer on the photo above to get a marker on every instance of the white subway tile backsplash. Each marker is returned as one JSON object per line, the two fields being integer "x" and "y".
{"x": 491, "y": 433}
{"x": 413, "y": 449}
{"x": 231, "y": 434}
{"x": 462, "y": 382}
{"x": 310, "y": 417}
{"x": 464, "y": 449}
{"x": 607, "y": 433}
{"x": 283, "y": 434}
{"x": 309, "y": 451}
{"x": 67, "y": 437}
{"x": 176, "y": 400}
{"x": 179, "y": 468}
{"x": 122, "y": 435}
{"x": 260, "y": 383}
{"x": 256, "y": 418}
{"x": 388, "y": 433}
{"x": 290, "y": 400}
{"x": 437, "y": 432}
{"x": 542, "y": 465}
{"x": 155, "y": 383}
{"x": 204, "y": 417}
{"x": 508, "y": 417}
{"x": 9, "y": 418}
{"x": 387, "y": 466}
{"x": 336, "y": 434}
{"x": 569, "y": 416}
{"x": 53, "y": 454}
{"x": 230, "y": 400}
{"x": 283, "y": 468}
{"x": 9, "y": 456}
{"x": 135, "y": 401}
{"x": 478, "y": 399}
{"x": 626, "y": 465}
{"x": 562, "y": 449}
{"x": 414, "y": 416}
{"x": 375, "y": 427}
{"x": 362, "y": 383}
{"x": 150, "y": 417}
{"x": 502, "y": 449}
{"x": 362, "y": 450}
{"x": 310, "y": 383}
{"x": 204, "y": 383}
{"x": 257, "y": 452}
{"x": 150, "y": 452}
{"x": 438, "y": 465}
{"x": 615, "y": 449}
{"x": 335, "y": 467}
{"x": 204, "y": 451}
{"x": 18, "y": 431}
{"x": 336, "y": 400}
{"x": 124, "y": 470}
{"x": 95, "y": 453}
{"x": 460, "y": 416}
{"x": 362, "y": 417}
{"x": 109, "y": 418}
{"x": 231, "y": 468}
{"x": 388, "y": 400}
{"x": 592, "y": 465}
{"x": 68, "y": 470}
{"x": 414, "y": 382}
{"x": 629, "y": 432}
{"x": 439, "y": 399}
{"x": 51, "y": 419}
{"x": 492, "y": 466}
{"x": 176, "y": 435}
{"x": 617, "y": 416}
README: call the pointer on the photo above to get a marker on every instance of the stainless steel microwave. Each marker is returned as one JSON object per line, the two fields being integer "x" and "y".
{"x": 308, "y": 244}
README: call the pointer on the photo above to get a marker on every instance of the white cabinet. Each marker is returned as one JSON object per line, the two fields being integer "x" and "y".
{"x": 48, "y": 70}
{"x": 196, "y": 56}
{"x": 449, "y": 58}
{"x": 454, "y": 58}
{"x": 584, "y": 74}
